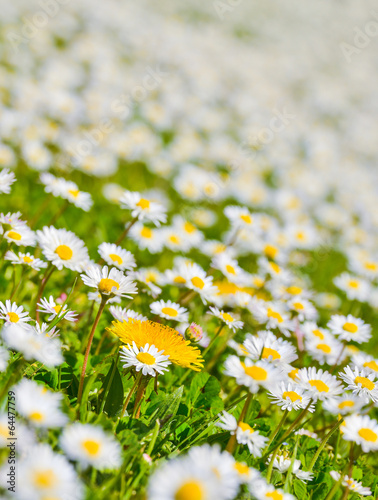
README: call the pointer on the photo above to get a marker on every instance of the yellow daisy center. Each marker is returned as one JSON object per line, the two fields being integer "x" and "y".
{"x": 143, "y": 203}
{"x": 365, "y": 382}
{"x": 241, "y": 468}
{"x": 368, "y": 435}
{"x": 57, "y": 309}
{"x": 198, "y": 282}
{"x": 267, "y": 351}
{"x": 354, "y": 284}
{"x": 91, "y": 447}
{"x": 298, "y": 305}
{"x": 350, "y": 327}
{"x": 36, "y": 416}
{"x": 74, "y": 192}
{"x": 4, "y": 432}
{"x": 319, "y": 384}
{"x": 294, "y": 290}
{"x": 189, "y": 228}
{"x": 245, "y": 427}
{"x": 174, "y": 239}
{"x": 274, "y": 495}
{"x": 64, "y": 252}
{"x": 371, "y": 266}
{"x": 13, "y": 317}
{"x": 27, "y": 259}
{"x": 230, "y": 269}
{"x": 146, "y": 232}
{"x": 256, "y": 372}
{"x": 106, "y": 285}
{"x": 45, "y": 479}
{"x": 276, "y": 268}
{"x": 227, "y": 317}
{"x": 116, "y": 258}
{"x": 191, "y": 490}
{"x": 146, "y": 358}
{"x": 292, "y": 395}
{"x": 169, "y": 311}
{"x": 179, "y": 279}
{"x": 324, "y": 347}
{"x": 275, "y": 315}
{"x": 271, "y": 251}
{"x": 373, "y": 365}
{"x": 246, "y": 218}
{"x": 346, "y": 404}
{"x": 14, "y": 235}
{"x": 318, "y": 334}
{"x": 293, "y": 373}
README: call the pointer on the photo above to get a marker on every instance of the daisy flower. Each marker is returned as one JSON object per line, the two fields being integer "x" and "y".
{"x": 72, "y": 193}
{"x": 40, "y": 406}
{"x": 109, "y": 283}
{"x": 363, "y": 360}
{"x": 240, "y": 217}
{"x": 20, "y": 235}
{"x": 183, "y": 479}
{"x": 349, "y": 328}
{"x": 115, "y": 255}
{"x": 361, "y": 382}
{"x": 25, "y": 259}
{"x": 148, "y": 276}
{"x": 320, "y": 384}
{"x": 63, "y": 248}
{"x": 353, "y": 485}
{"x": 173, "y": 239}
{"x": 142, "y": 208}
{"x": 33, "y": 346}
{"x": 355, "y": 288}
{"x": 53, "y": 308}
{"x": 12, "y": 313}
{"x": 123, "y": 314}
{"x": 7, "y": 178}
{"x": 170, "y": 310}
{"x": 164, "y": 338}
{"x": 303, "y": 308}
{"x": 282, "y": 463}
{"x": 328, "y": 351}
{"x": 268, "y": 492}
{"x": 267, "y": 346}
{"x": 146, "y": 238}
{"x": 46, "y": 474}
{"x": 227, "y": 318}
{"x": 344, "y": 404}
{"x": 245, "y": 434}
{"x": 362, "y": 430}
{"x": 251, "y": 374}
{"x": 196, "y": 279}
{"x": 273, "y": 315}
{"x": 91, "y": 446}
{"x": 290, "y": 396}
{"x": 229, "y": 268}
{"x": 147, "y": 359}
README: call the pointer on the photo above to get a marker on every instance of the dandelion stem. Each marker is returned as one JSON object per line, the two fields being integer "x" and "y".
{"x": 97, "y": 319}
{"x": 132, "y": 390}
{"x": 324, "y": 442}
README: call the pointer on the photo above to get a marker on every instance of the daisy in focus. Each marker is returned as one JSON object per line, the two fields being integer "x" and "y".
{"x": 109, "y": 283}
{"x": 146, "y": 359}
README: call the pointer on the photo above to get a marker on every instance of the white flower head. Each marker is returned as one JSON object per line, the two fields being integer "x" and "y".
{"x": 148, "y": 359}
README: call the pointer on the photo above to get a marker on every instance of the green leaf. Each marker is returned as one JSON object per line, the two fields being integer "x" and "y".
{"x": 114, "y": 399}
{"x": 300, "y": 489}
{"x": 170, "y": 406}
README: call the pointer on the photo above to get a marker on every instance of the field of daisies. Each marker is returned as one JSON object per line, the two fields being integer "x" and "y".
{"x": 188, "y": 250}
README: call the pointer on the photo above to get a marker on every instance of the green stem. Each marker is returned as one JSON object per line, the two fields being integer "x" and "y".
{"x": 213, "y": 340}
{"x": 324, "y": 442}
{"x": 277, "y": 429}
{"x": 132, "y": 390}
{"x": 290, "y": 471}
{"x": 91, "y": 335}
{"x": 127, "y": 229}
{"x": 270, "y": 467}
{"x": 231, "y": 445}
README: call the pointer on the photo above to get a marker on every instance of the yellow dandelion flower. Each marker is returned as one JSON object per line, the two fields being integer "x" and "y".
{"x": 162, "y": 337}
